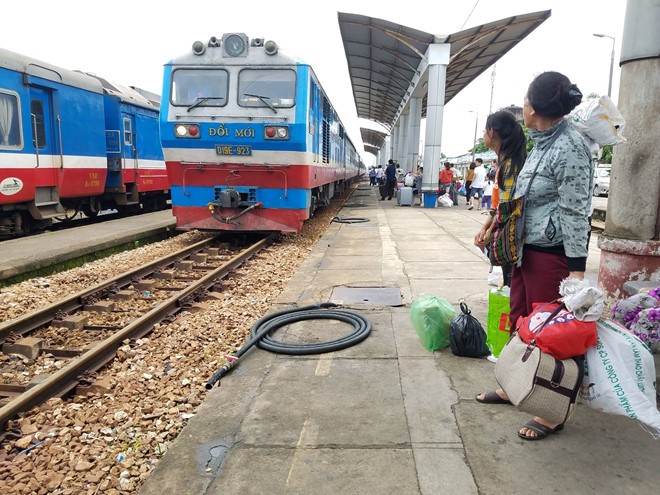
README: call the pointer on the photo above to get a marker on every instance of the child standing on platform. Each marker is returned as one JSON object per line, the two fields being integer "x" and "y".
{"x": 488, "y": 194}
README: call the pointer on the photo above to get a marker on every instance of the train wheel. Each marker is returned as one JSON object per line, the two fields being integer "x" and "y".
{"x": 70, "y": 214}
{"x": 312, "y": 207}
{"x": 91, "y": 209}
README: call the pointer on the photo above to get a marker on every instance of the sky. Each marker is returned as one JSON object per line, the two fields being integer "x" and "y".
{"x": 129, "y": 42}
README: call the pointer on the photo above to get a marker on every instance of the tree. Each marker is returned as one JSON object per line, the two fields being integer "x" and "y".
{"x": 480, "y": 147}
{"x": 606, "y": 156}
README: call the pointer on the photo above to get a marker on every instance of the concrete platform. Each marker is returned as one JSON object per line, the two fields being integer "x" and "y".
{"x": 387, "y": 416}
{"x": 23, "y": 255}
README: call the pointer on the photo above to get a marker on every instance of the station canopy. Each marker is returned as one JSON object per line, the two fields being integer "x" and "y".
{"x": 373, "y": 140}
{"x": 384, "y": 58}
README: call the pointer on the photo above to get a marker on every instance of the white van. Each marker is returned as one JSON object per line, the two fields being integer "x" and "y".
{"x": 601, "y": 181}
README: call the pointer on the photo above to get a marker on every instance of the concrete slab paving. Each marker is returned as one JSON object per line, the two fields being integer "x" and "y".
{"x": 388, "y": 416}
{"x": 318, "y": 471}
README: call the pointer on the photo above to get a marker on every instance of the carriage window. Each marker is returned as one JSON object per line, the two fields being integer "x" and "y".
{"x": 267, "y": 87}
{"x": 128, "y": 132}
{"x": 200, "y": 87}
{"x": 38, "y": 122}
{"x": 10, "y": 128}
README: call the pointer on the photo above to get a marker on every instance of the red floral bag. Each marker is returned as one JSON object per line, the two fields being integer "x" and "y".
{"x": 555, "y": 330}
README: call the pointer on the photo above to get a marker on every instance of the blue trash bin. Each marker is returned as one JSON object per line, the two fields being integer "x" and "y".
{"x": 430, "y": 200}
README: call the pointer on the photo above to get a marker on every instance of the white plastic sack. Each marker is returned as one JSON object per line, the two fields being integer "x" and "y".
{"x": 445, "y": 201}
{"x": 582, "y": 299}
{"x": 599, "y": 120}
{"x": 619, "y": 377}
{"x": 496, "y": 277}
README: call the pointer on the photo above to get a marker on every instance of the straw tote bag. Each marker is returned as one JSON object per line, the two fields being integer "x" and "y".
{"x": 537, "y": 383}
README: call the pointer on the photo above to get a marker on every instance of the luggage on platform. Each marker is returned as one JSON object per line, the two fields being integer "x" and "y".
{"x": 382, "y": 190}
{"x": 404, "y": 196}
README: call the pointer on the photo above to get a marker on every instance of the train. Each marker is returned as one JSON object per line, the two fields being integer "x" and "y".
{"x": 72, "y": 141}
{"x": 250, "y": 138}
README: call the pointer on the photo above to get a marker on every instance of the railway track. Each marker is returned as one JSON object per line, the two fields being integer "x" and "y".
{"x": 123, "y": 308}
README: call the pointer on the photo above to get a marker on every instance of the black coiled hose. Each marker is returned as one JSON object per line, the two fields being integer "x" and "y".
{"x": 350, "y": 220}
{"x": 263, "y": 330}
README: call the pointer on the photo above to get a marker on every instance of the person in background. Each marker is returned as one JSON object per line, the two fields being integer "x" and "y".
{"x": 379, "y": 175}
{"x": 372, "y": 176}
{"x": 453, "y": 190}
{"x": 390, "y": 179}
{"x": 446, "y": 178}
{"x": 469, "y": 177}
{"x": 556, "y": 229}
{"x": 488, "y": 192}
{"x": 478, "y": 184}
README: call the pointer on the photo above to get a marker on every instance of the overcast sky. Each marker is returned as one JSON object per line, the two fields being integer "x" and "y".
{"x": 129, "y": 41}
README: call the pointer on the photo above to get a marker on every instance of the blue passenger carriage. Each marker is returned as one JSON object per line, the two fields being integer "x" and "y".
{"x": 65, "y": 145}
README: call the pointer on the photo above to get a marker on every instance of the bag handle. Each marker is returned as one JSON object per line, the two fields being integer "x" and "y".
{"x": 465, "y": 309}
{"x": 556, "y": 311}
{"x": 529, "y": 184}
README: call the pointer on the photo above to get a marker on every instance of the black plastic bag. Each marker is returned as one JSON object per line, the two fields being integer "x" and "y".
{"x": 466, "y": 335}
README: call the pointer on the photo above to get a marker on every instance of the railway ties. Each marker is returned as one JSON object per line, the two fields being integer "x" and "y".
{"x": 52, "y": 351}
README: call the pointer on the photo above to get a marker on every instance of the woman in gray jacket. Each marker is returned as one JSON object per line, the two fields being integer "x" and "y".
{"x": 556, "y": 210}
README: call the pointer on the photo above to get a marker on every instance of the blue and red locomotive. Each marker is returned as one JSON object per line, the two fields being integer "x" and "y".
{"x": 250, "y": 139}
{"x": 73, "y": 142}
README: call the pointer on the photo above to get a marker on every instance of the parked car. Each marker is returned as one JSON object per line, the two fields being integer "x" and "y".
{"x": 601, "y": 181}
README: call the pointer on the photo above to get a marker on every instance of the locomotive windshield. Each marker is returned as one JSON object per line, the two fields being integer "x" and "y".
{"x": 200, "y": 87}
{"x": 273, "y": 88}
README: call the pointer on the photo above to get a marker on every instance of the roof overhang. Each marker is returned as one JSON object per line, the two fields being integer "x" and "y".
{"x": 387, "y": 62}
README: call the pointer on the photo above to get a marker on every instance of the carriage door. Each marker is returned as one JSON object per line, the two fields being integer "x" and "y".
{"x": 45, "y": 147}
{"x": 129, "y": 153}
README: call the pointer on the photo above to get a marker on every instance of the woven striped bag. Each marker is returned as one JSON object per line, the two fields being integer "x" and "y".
{"x": 506, "y": 234}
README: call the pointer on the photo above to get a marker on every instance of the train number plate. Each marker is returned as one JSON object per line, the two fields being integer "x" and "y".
{"x": 233, "y": 150}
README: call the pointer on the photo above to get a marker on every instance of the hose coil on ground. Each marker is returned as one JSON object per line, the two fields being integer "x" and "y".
{"x": 269, "y": 324}
{"x": 262, "y": 334}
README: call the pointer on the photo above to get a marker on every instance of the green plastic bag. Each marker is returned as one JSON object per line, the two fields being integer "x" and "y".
{"x": 431, "y": 317}
{"x": 498, "y": 331}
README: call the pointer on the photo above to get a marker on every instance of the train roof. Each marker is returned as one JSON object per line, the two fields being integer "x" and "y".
{"x": 27, "y": 65}
{"x": 213, "y": 53}
{"x": 127, "y": 93}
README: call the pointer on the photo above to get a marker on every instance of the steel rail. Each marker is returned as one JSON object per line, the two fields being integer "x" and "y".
{"x": 66, "y": 379}
{"x": 36, "y": 319}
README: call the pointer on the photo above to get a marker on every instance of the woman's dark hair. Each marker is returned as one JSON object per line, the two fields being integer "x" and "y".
{"x": 551, "y": 94}
{"x": 473, "y": 166}
{"x": 512, "y": 143}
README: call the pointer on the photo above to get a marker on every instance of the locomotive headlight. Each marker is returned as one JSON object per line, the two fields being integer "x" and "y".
{"x": 186, "y": 130}
{"x": 276, "y": 132}
{"x": 234, "y": 45}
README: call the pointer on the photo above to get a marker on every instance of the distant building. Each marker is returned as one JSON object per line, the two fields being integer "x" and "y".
{"x": 515, "y": 110}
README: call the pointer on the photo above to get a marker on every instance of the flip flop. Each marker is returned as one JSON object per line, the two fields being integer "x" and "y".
{"x": 542, "y": 431}
{"x": 492, "y": 398}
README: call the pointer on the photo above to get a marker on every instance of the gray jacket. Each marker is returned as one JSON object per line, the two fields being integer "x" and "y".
{"x": 559, "y": 203}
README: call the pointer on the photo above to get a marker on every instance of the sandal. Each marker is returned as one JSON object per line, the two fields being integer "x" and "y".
{"x": 541, "y": 431}
{"x": 492, "y": 398}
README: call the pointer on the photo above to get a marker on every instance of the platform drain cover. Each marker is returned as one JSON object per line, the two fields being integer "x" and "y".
{"x": 376, "y": 296}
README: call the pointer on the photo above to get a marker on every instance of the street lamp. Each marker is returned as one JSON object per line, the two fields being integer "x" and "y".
{"x": 609, "y": 87}
{"x": 476, "y": 122}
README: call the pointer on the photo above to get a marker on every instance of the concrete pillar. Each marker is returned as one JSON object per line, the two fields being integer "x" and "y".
{"x": 415, "y": 127}
{"x": 387, "y": 150}
{"x": 630, "y": 245}
{"x": 396, "y": 134}
{"x": 438, "y": 57}
{"x": 403, "y": 145}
